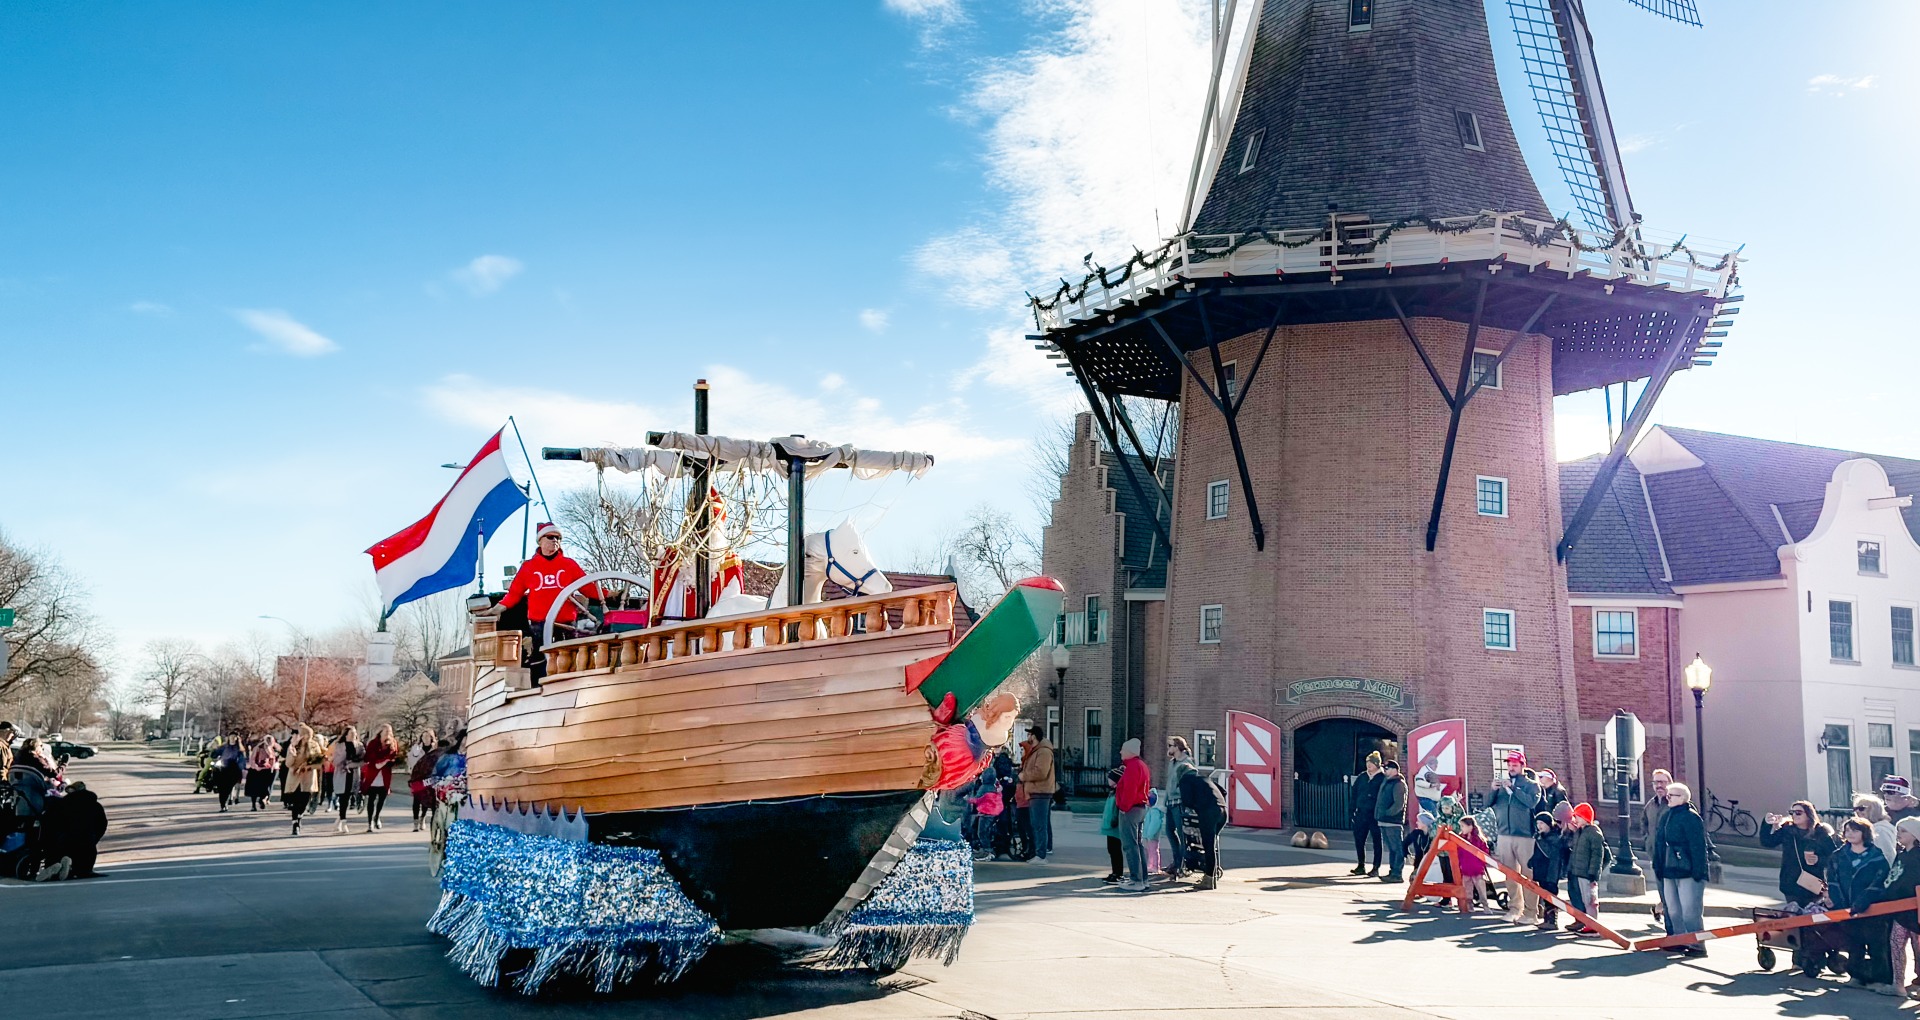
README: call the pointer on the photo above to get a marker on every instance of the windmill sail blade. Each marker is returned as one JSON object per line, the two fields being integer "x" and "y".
{"x": 1556, "y": 52}
{"x": 1682, "y": 11}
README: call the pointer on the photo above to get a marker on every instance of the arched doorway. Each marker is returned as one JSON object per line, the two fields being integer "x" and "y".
{"x": 1327, "y": 754}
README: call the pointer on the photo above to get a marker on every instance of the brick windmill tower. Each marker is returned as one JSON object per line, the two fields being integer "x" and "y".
{"x": 1364, "y": 326}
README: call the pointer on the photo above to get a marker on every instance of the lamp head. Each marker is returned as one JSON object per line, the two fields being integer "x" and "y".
{"x": 1061, "y": 656}
{"x": 1699, "y": 675}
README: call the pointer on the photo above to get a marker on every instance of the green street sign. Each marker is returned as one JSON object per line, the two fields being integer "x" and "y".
{"x": 6, "y": 617}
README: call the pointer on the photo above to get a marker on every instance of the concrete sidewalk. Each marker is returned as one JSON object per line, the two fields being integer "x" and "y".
{"x": 214, "y": 916}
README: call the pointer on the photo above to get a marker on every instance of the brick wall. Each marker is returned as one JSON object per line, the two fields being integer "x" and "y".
{"x": 1081, "y": 549}
{"x": 1647, "y": 685}
{"x": 1343, "y": 431}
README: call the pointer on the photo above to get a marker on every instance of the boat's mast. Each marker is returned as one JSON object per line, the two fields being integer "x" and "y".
{"x": 703, "y": 521}
{"x": 796, "y": 523}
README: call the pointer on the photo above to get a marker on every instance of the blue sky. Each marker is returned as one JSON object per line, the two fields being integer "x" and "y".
{"x": 264, "y": 267}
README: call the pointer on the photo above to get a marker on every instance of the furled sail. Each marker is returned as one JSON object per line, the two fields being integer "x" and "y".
{"x": 757, "y": 455}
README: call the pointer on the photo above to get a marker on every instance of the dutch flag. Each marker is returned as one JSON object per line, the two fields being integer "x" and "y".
{"x": 442, "y": 549}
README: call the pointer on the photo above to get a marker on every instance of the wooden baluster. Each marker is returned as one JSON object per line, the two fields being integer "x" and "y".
{"x": 910, "y": 613}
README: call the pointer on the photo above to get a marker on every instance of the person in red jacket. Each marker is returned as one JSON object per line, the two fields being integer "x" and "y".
{"x": 1130, "y": 800}
{"x": 376, "y": 772}
{"x": 538, "y": 585}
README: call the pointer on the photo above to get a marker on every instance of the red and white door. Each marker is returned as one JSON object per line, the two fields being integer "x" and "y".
{"x": 1253, "y": 755}
{"x": 1436, "y": 764}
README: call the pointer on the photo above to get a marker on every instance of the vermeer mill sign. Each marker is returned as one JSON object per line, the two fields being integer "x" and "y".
{"x": 1349, "y": 686}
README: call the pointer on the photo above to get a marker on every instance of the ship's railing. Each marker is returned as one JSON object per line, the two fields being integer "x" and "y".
{"x": 811, "y": 624}
{"x": 1347, "y": 245}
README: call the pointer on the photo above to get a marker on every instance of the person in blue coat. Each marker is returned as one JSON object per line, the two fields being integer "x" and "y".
{"x": 1856, "y": 875}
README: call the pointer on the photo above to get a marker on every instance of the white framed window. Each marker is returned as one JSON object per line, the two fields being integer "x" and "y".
{"x": 1060, "y": 629}
{"x": 1206, "y": 749}
{"x": 1096, "y": 621}
{"x": 1486, "y": 365}
{"x": 1230, "y": 380}
{"x": 1490, "y": 496}
{"x": 1913, "y": 753}
{"x": 1213, "y": 620}
{"x": 1469, "y": 126}
{"x": 1093, "y": 741}
{"x": 1217, "y": 500}
{"x": 1902, "y": 620}
{"x": 1251, "y": 157}
{"x": 1616, "y": 633}
{"x": 1053, "y": 725}
{"x": 1496, "y": 629}
{"x": 1838, "y": 736}
{"x": 1840, "y": 630}
{"x": 1867, "y": 552}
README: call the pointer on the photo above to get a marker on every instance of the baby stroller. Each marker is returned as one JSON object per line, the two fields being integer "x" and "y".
{"x": 20, "y": 835}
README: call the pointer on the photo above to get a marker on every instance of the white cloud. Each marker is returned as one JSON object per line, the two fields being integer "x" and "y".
{"x": 153, "y": 308}
{"x": 1836, "y": 85}
{"x": 487, "y": 273}
{"x": 832, "y": 381}
{"x": 943, "y": 10}
{"x": 874, "y": 320}
{"x": 1637, "y": 143}
{"x": 285, "y": 333}
{"x": 1089, "y": 134}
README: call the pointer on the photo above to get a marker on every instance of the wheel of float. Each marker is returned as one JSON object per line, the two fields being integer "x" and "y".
{"x": 1766, "y": 958}
{"x": 568, "y": 594}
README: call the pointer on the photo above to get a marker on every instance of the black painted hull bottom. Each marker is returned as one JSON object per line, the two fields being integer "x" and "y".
{"x": 764, "y": 864}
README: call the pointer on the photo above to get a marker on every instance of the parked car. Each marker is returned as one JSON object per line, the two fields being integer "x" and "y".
{"x": 65, "y": 749}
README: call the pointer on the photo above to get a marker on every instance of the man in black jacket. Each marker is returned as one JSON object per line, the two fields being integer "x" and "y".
{"x": 1805, "y": 842}
{"x": 1366, "y": 798}
{"x": 1207, "y": 806}
{"x": 1390, "y": 815}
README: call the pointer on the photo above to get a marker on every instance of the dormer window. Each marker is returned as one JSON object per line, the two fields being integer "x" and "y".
{"x": 1359, "y": 15}
{"x": 1252, "y": 155}
{"x": 1469, "y": 126}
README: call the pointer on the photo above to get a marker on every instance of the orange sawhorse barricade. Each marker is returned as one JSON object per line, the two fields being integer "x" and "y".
{"x": 1774, "y": 924}
{"x": 1446, "y": 840}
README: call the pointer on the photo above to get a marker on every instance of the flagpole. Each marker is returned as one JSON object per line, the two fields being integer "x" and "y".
{"x": 535, "y": 475}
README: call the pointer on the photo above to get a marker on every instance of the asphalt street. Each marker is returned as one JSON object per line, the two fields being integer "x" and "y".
{"x": 221, "y": 916}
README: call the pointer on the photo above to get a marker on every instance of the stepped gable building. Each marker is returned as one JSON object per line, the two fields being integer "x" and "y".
{"x": 1104, "y": 546}
{"x": 1364, "y": 325}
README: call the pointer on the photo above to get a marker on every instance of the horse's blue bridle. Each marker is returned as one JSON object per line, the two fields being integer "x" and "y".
{"x": 832, "y": 563}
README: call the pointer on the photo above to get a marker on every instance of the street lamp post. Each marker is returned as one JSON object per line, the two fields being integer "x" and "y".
{"x": 1699, "y": 677}
{"x": 1061, "y": 657}
{"x": 306, "y": 660}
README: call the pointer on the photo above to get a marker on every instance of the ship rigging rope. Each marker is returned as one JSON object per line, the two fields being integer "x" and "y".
{"x": 707, "y": 753}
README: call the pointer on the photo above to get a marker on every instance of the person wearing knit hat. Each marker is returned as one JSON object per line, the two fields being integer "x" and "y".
{"x": 1364, "y": 816}
{"x": 1586, "y": 855}
{"x": 1547, "y": 864}
{"x": 1898, "y": 795}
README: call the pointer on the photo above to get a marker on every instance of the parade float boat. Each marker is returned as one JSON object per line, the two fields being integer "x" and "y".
{"x": 758, "y": 766}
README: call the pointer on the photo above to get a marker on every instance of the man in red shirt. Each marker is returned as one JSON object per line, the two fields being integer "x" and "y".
{"x": 1130, "y": 799}
{"x": 539, "y": 583}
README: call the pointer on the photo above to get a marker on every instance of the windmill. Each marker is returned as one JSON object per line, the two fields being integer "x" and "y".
{"x": 1362, "y": 225}
{"x": 1556, "y": 50}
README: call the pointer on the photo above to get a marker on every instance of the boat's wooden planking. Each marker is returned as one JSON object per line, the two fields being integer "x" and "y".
{"x": 788, "y": 720}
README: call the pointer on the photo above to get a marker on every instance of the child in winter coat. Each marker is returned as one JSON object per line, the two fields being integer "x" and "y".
{"x": 1473, "y": 869}
{"x": 1110, "y": 828}
{"x": 1153, "y": 825}
{"x": 1548, "y": 842}
{"x": 1588, "y": 854}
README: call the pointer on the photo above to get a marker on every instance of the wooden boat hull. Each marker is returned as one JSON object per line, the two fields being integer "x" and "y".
{"x": 767, "y": 864}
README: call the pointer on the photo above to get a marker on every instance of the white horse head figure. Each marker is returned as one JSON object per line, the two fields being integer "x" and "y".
{"x": 839, "y": 556}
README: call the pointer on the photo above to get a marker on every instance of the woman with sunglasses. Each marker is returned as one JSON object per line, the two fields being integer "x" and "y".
{"x": 1805, "y": 842}
{"x": 1873, "y": 811}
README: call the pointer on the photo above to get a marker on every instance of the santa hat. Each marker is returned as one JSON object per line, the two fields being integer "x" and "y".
{"x": 1895, "y": 784}
{"x": 1584, "y": 812}
{"x": 549, "y": 528}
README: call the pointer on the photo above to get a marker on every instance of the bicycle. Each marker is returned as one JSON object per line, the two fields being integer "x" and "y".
{"x": 1730, "y": 815}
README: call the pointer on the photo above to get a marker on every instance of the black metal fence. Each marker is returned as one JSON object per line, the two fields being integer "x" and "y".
{"x": 1321, "y": 805}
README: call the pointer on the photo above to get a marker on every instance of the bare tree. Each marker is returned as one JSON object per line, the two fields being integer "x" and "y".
{"x": 428, "y": 630}
{"x": 415, "y": 705}
{"x": 229, "y": 690}
{"x": 608, "y": 530}
{"x": 173, "y": 668}
{"x": 63, "y": 701}
{"x": 53, "y": 635}
{"x": 124, "y": 718}
{"x": 993, "y": 551}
